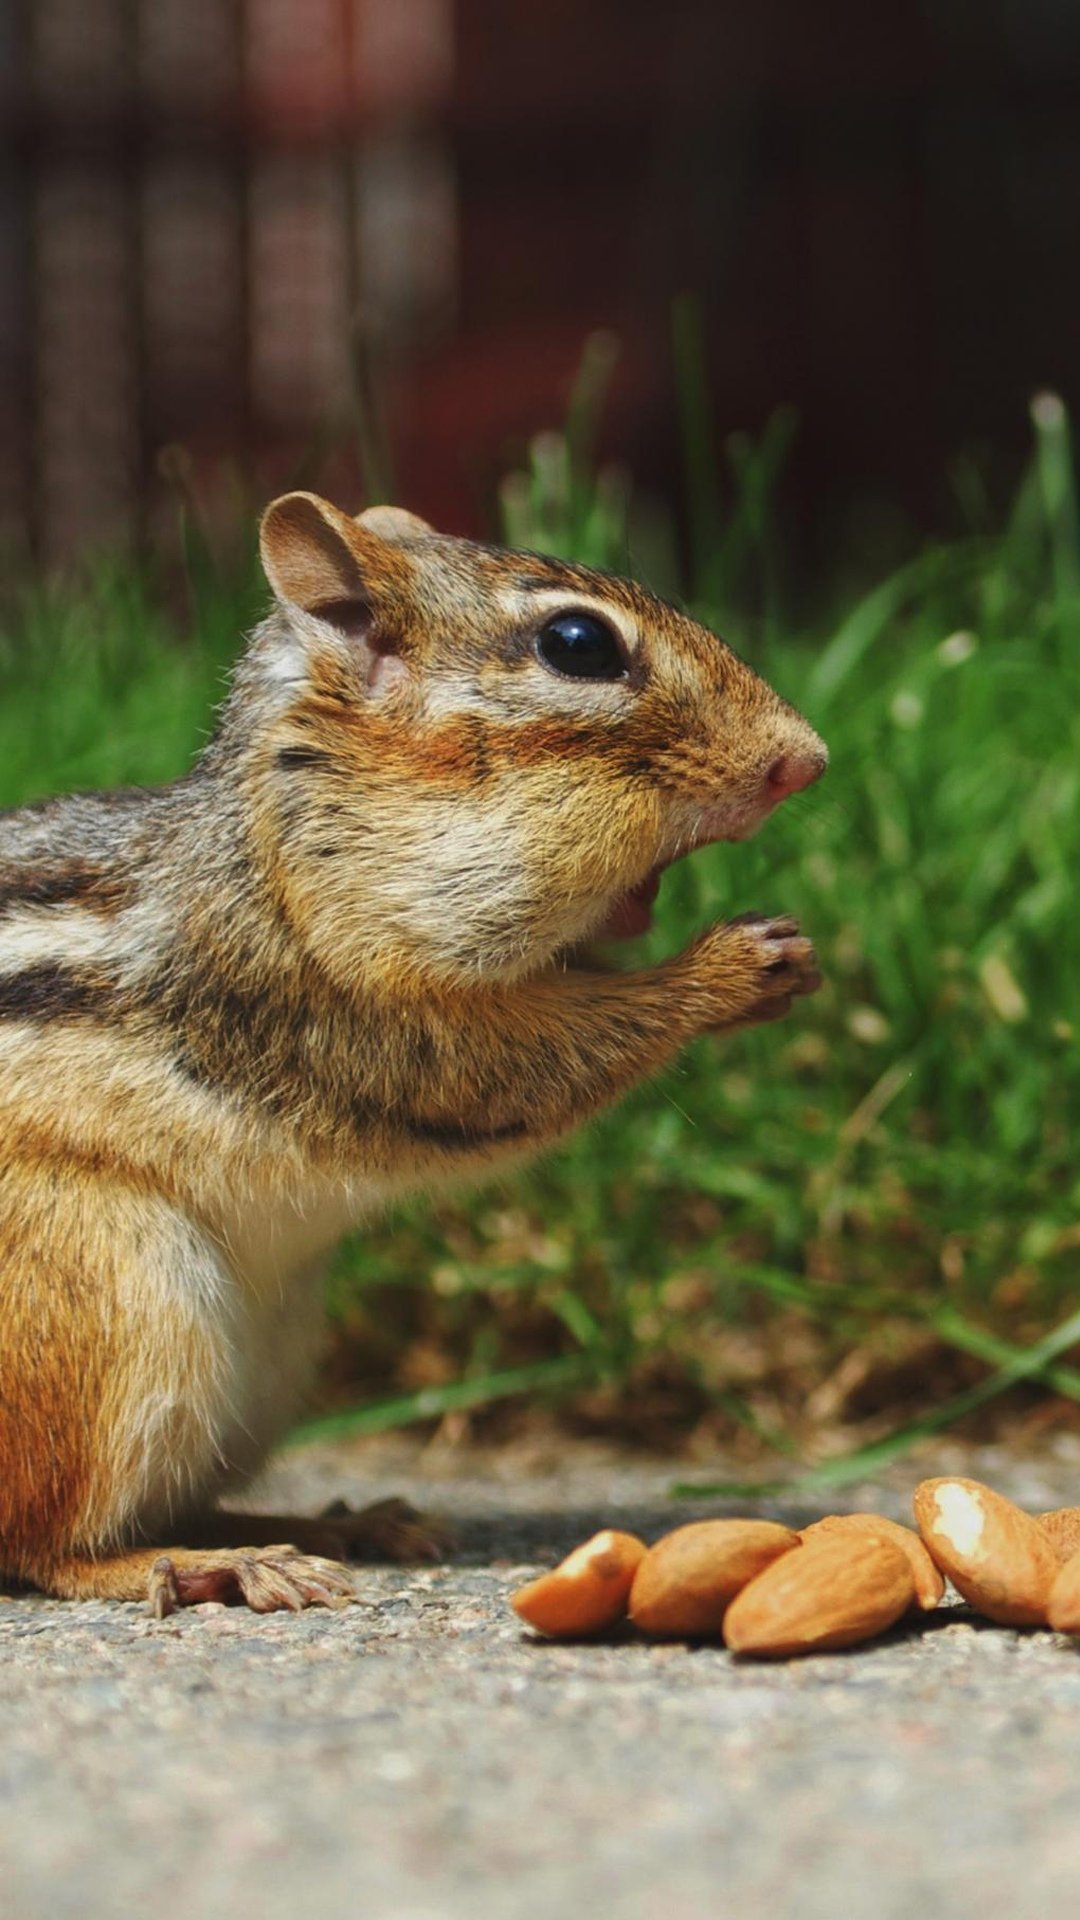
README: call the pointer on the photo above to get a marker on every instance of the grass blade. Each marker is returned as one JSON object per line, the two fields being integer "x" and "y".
{"x": 429, "y": 1403}
{"x": 1024, "y": 1363}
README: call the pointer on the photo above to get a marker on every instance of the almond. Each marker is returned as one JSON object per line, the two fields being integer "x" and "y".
{"x": 929, "y": 1582}
{"x": 685, "y": 1582}
{"x": 1063, "y": 1608}
{"x": 843, "y": 1587}
{"x": 1063, "y": 1526}
{"x": 996, "y": 1555}
{"x": 587, "y": 1592}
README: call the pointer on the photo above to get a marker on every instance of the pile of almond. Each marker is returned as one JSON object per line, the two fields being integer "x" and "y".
{"x": 770, "y": 1592}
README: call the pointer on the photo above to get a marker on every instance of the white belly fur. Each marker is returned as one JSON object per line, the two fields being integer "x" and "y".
{"x": 276, "y": 1250}
{"x": 247, "y": 1312}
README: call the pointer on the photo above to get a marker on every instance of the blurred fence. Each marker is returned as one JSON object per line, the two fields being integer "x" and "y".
{"x": 202, "y": 201}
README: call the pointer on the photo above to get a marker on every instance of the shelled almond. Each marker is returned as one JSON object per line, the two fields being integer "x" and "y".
{"x": 685, "y": 1583}
{"x": 1062, "y": 1525}
{"x": 928, "y": 1579}
{"x": 842, "y": 1588}
{"x": 996, "y": 1555}
{"x": 587, "y": 1592}
{"x": 1063, "y": 1607}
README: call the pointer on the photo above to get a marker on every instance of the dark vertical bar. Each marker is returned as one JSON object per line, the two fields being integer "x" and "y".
{"x": 132, "y": 158}
{"x": 372, "y": 444}
{"x": 15, "y": 270}
{"x": 244, "y": 136}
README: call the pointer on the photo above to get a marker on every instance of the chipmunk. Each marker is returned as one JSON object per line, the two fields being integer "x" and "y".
{"x": 338, "y": 962}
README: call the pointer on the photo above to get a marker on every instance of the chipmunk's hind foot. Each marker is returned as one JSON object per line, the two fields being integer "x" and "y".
{"x": 387, "y": 1530}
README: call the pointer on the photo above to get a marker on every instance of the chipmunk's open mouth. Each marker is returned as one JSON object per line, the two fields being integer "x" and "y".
{"x": 631, "y": 914}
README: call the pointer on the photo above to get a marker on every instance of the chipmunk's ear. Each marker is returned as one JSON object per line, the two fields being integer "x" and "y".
{"x": 345, "y": 576}
{"x": 394, "y": 523}
{"x": 315, "y": 556}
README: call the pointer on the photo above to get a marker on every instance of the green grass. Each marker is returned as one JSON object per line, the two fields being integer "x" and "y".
{"x": 891, "y": 1172}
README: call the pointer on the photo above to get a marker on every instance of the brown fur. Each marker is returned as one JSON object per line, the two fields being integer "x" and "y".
{"x": 334, "y": 964}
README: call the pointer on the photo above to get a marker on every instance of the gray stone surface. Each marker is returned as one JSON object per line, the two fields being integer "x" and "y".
{"x": 419, "y": 1757}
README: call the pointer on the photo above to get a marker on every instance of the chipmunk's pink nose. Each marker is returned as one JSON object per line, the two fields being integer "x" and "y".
{"x": 791, "y": 772}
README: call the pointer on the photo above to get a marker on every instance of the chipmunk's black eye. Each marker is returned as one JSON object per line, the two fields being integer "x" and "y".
{"x": 582, "y": 646}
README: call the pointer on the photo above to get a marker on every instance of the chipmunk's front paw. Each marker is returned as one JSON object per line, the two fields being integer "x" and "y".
{"x": 786, "y": 966}
{"x": 763, "y": 964}
{"x": 266, "y": 1579}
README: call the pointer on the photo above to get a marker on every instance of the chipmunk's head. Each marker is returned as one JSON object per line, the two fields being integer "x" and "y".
{"x": 474, "y": 759}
